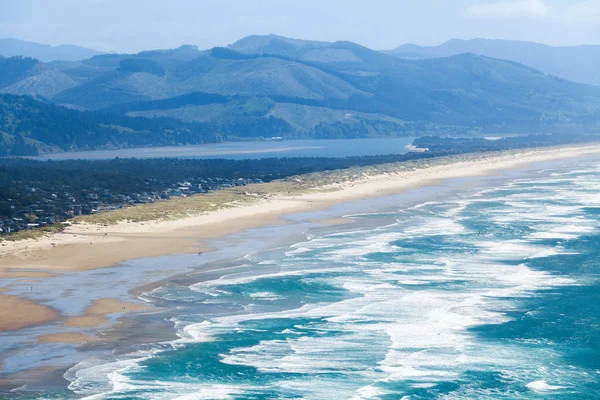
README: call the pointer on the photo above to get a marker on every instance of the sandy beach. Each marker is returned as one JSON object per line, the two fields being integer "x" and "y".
{"x": 87, "y": 246}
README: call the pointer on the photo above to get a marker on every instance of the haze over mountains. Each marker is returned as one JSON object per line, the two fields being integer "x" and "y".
{"x": 264, "y": 86}
{"x": 575, "y": 63}
{"x": 67, "y": 52}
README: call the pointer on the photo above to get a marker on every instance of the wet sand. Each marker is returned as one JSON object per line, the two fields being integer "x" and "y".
{"x": 17, "y": 313}
{"x": 86, "y": 247}
{"x": 95, "y": 314}
{"x": 69, "y": 338}
{"x": 90, "y": 246}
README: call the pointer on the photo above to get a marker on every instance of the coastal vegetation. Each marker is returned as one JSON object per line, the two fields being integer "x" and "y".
{"x": 259, "y": 88}
{"x": 35, "y": 194}
{"x": 28, "y": 127}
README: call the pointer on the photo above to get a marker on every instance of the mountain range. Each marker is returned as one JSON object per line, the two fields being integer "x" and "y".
{"x": 272, "y": 85}
{"x": 10, "y": 47}
{"x": 575, "y": 63}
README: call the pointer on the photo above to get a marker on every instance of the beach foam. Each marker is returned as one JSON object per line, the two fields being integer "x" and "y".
{"x": 390, "y": 311}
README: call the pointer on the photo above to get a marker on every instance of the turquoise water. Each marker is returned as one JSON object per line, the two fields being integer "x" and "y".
{"x": 492, "y": 293}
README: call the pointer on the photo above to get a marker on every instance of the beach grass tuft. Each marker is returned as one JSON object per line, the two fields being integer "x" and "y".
{"x": 34, "y": 233}
{"x": 200, "y": 204}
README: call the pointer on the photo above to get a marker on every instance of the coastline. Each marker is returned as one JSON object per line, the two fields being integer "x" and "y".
{"x": 86, "y": 246}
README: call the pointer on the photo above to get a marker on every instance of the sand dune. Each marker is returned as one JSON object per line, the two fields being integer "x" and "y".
{"x": 87, "y": 246}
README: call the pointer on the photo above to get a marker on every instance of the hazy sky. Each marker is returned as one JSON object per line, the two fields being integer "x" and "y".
{"x": 134, "y": 25}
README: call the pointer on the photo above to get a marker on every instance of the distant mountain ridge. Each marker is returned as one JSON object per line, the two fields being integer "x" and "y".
{"x": 575, "y": 63}
{"x": 264, "y": 86}
{"x": 10, "y": 47}
{"x": 274, "y": 44}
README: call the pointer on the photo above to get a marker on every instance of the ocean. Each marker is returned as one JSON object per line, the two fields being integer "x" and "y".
{"x": 488, "y": 292}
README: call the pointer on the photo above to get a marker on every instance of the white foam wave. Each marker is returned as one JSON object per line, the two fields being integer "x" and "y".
{"x": 268, "y": 296}
{"x": 94, "y": 376}
{"x": 543, "y": 386}
{"x": 195, "y": 333}
{"x": 211, "y": 287}
{"x": 215, "y": 392}
{"x": 403, "y": 320}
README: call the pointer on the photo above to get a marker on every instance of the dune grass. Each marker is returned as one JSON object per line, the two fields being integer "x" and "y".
{"x": 33, "y": 233}
{"x": 199, "y": 204}
{"x": 181, "y": 207}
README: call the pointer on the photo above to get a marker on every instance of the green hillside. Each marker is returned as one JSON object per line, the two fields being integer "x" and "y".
{"x": 315, "y": 89}
{"x": 29, "y": 127}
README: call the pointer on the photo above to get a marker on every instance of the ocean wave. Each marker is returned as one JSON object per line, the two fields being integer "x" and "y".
{"x": 543, "y": 386}
{"x": 385, "y": 311}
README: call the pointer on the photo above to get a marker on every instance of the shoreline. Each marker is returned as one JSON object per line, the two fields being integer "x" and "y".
{"x": 127, "y": 240}
{"x": 90, "y": 246}
{"x": 120, "y": 319}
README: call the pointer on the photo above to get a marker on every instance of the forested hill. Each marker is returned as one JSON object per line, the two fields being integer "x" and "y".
{"x": 318, "y": 88}
{"x": 294, "y": 88}
{"x": 28, "y": 127}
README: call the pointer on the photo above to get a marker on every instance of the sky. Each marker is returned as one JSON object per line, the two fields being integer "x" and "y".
{"x": 133, "y": 25}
